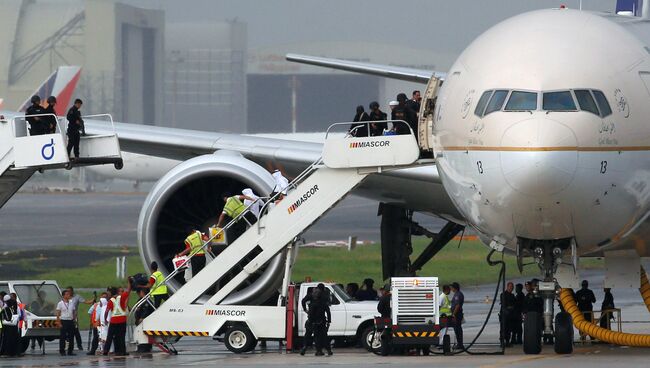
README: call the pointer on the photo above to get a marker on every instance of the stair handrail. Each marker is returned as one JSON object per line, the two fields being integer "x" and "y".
{"x": 14, "y": 119}
{"x": 193, "y": 253}
{"x": 360, "y": 124}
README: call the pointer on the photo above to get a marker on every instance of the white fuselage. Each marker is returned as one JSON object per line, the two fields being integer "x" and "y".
{"x": 535, "y": 172}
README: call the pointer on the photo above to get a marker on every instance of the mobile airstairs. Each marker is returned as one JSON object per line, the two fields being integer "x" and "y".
{"x": 345, "y": 162}
{"x": 22, "y": 154}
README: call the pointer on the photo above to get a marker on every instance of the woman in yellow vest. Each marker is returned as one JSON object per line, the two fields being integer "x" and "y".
{"x": 157, "y": 285}
{"x": 194, "y": 247}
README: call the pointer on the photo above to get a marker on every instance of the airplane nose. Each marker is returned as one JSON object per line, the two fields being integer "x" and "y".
{"x": 539, "y": 156}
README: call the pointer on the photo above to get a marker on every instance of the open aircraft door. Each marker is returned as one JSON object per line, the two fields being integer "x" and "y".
{"x": 425, "y": 120}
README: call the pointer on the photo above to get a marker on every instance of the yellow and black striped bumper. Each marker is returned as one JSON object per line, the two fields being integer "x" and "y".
{"x": 415, "y": 334}
{"x": 44, "y": 323}
{"x": 176, "y": 333}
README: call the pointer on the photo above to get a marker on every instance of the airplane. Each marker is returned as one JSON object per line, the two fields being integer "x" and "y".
{"x": 540, "y": 145}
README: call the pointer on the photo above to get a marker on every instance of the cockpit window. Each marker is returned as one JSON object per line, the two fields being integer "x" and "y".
{"x": 496, "y": 102}
{"x": 585, "y": 101}
{"x": 605, "y": 110}
{"x": 522, "y": 101}
{"x": 480, "y": 106}
{"x": 558, "y": 101}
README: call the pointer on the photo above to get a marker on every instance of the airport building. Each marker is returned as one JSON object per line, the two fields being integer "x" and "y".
{"x": 119, "y": 47}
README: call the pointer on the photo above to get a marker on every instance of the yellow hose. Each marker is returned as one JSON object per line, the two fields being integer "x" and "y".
{"x": 645, "y": 289}
{"x": 602, "y": 334}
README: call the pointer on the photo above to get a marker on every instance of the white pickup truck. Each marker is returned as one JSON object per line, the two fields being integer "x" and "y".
{"x": 241, "y": 327}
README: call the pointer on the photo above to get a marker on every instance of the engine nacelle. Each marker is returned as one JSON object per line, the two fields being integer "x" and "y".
{"x": 190, "y": 196}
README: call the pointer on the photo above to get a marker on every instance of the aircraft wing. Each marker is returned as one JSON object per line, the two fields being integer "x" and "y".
{"x": 387, "y": 71}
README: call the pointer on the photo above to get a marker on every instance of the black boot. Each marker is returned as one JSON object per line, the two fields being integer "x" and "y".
{"x": 303, "y": 350}
{"x": 319, "y": 352}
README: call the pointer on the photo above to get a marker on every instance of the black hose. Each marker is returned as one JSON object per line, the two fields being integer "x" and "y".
{"x": 501, "y": 280}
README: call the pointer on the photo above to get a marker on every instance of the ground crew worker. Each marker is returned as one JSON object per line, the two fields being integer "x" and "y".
{"x": 457, "y": 313}
{"x": 520, "y": 299}
{"x": 445, "y": 301}
{"x": 118, "y": 306}
{"x": 320, "y": 317}
{"x": 233, "y": 207}
{"x": 157, "y": 285}
{"x": 75, "y": 128}
{"x": 65, "y": 317}
{"x": 586, "y": 299}
{"x": 606, "y": 309}
{"x": 37, "y": 125}
{"x": 50, "y": 121}
{"x": 506, "y": 316}
{"x": 194, "y": 247}
{"x": 377, "y": 129}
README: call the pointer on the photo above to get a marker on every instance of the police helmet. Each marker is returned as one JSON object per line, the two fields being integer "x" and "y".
{"x": 374, "y": 105}
{"x": 51, "y": 100}
{"x": 401, "y": 97}
{"x": 36, "y": 99}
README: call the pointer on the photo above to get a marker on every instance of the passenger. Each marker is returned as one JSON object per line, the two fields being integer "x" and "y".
{"x": 377, "y": 129}
{"x": 281, "y": 186}
{"x": 414, "y": 102}
{"x": 367, "y": 291}
{"x": 65, "y": 318}
{"x": 352, "y": 289}
{"x": 76, "y": 299}
{"x": 445, "y": 301}
{"x": 95, "y": 322}
{"x": 457, "y": 313}
{"x": 586, "y": 299}
{"x": 506, "y": 316}
{"x": 194, "y": 247}
{"x": 50, "y": 121}
{"x": 402, "y": 112}
{"x": 104, "y": 320}
{"x": 359, "y": 130}
{"x": 607, "y": 309}
{"x": 37, "y": 125}
{"x": 254, "y": 205}
{"x": 118, "y": 305}
{"x": 519, "y": 310}
{"x": 75, "y": 128}
{"x": 157, "y": 285}
{"x": 320, "y": 318}
{"x": 10, "y": 331}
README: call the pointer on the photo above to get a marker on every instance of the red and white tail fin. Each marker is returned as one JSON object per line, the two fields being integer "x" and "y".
{"x": 60, "y": 84}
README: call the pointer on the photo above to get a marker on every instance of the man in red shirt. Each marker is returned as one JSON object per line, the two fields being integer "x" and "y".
{"x": 118, "y": 306}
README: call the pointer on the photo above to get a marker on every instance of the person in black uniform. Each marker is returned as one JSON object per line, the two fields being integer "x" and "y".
{"x": 37, "y": 125}
{"x": 506, "y": 316}
{"x": 402, "y": 112}
{"x": 75, "y": 126}
{"x": 320, "y": 317}
{"x": 361, "y": 129}
{"x": 534, "y": 303}
{"x": 50, "y": 121}
{"x": 377, "y": 129}
{"x": 308, "y": 340}
{"x": 383, "y": 307}
{"x": 520, "y": 301}
{"x": 457, "y": 302}
{"x": 414, "y": 102}
{"x": 608, "y": 304}
{"x": 586, "y": 299}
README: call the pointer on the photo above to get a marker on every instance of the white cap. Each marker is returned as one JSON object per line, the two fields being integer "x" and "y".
{"x": 7, "y": 298}
{"x": 393, "y": 103}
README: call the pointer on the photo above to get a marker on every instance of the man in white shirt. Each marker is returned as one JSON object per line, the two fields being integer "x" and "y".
{"x": 65, "y": 317}
{"x": 254, "y": 203}
{"x": 75, "y": 300}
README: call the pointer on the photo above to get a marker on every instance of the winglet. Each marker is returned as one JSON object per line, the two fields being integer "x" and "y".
{"x": 60, "y": 84}
{"x": 387, "y": 71}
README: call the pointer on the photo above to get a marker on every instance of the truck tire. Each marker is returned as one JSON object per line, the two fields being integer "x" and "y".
{"x": 366, "y": 337}
{"x": 239, "y": 339}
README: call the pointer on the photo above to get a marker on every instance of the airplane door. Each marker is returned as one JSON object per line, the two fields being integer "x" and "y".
{"x": 425, "y": 116}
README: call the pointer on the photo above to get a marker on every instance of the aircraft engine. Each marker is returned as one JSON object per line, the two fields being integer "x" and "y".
{"x": 190, "y": 196}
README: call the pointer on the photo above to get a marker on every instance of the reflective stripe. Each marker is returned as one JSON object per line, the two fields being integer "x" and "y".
{"x": 233, "y": 207}
{"x": 117, "y": 307}
{"x": 196, "y": 242}
{"x": 158, "y": 288}
{"x": 446, "y": 305}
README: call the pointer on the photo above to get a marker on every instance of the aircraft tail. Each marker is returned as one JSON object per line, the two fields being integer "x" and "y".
{"x": 60, "y": 84}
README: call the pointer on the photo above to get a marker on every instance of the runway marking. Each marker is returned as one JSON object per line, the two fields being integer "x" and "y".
{"x": 520, "y": 360}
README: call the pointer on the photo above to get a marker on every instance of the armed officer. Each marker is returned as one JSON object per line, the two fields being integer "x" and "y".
{"x": 76, "y": 128}
{"x": 507, "y": 315}
{"x": 402, "y": 112}
{"x": 37, "y": 125}
{"x": 50, "y": 120}
{"x": 320, "y": 317}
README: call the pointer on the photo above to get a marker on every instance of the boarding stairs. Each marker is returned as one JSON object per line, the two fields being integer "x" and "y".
{"x": 22, "y": 154}
{"x": 345, "y": 162}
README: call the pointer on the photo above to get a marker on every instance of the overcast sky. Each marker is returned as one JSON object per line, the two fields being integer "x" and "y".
{"x": 446, "y": 26}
